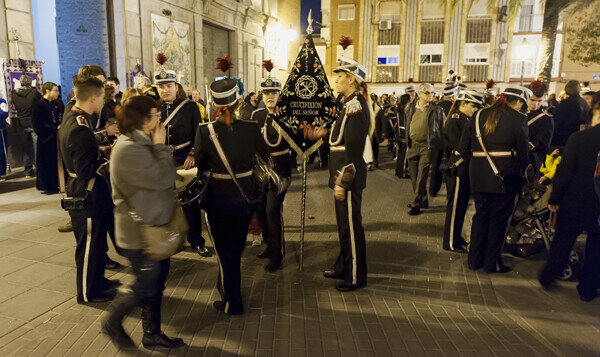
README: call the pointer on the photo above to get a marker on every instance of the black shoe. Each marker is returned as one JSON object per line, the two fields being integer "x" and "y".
{"x": 344, "y": 286}
{"x": 425, "y": 205}
{"x": 202, "y": 251}
{"x": 105, "y": 297}
{"x": 264, "y": 255}
{"x": 502, "y": 269}
{"x": 273, "y": 266}
{"x": 112, "y": 284}
{"x": 586, "y": 296}
{"x": 331, "y": 274}
{"x": 475, "y": 267}
{"x": 219, "y": 305}
{"x": 161, "y": 340}
{"x": 414, "y": 211}
{"x": 117, "y": 334}
{"x": 111, "y": 264}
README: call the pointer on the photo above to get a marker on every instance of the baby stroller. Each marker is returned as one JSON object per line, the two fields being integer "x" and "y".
{"x": 532, "y": 228}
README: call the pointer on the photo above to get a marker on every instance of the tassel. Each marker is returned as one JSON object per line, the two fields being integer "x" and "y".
{"x": 217, "y": 113}
{"x": 502, "y": 102}
{"x": 227, "y": 116}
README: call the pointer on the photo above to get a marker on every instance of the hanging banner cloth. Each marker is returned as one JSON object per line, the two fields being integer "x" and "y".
{"x": 306, "y": 99}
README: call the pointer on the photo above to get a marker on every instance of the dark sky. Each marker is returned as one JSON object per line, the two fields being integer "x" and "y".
{"x": 305, "y": 6}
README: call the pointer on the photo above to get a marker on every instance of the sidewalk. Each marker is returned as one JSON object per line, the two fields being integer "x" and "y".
{"x": 420, "y": 300}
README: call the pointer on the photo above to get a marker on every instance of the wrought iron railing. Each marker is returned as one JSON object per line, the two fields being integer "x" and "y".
{"x": 386, "y": 74}
{"x": 430, "y": 73}
{"x": 476, "y": 72}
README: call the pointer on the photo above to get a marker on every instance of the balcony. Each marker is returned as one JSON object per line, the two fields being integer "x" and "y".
{"x": 476, "y": 72}
{"x": 430, "y": 73}
{"x": 387, "y": 74}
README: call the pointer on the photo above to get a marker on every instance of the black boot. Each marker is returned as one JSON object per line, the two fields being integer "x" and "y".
{"x": 151, "y": 324}
{"x": 113, "y": 324}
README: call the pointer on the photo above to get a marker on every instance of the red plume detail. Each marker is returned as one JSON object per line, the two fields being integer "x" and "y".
{"x": 268, "y": 65}
{"x": 410, "y": 80}
{"x": 345, "y": 41}
{"x": 586, "y": 83}
{"x": 536, "y": 85}
{"x": 490, "y": 83}
{"x": 454, "y": 78}
{"x": 458, "y": 78}
{"x": 451, "y": 72}
{"x": 224, "y": 64}
{"x": 161, "y": 58}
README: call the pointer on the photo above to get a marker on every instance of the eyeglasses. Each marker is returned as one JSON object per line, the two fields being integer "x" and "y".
{"x": 427, "y": 93}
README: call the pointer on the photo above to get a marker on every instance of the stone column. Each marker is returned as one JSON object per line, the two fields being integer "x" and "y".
{"x": 454, "y": 38}
{"x": 410, "y": 34}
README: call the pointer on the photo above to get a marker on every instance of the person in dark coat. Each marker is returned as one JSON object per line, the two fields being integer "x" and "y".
{"x": 3, "y": 146}
{"x": 229, "y": 207}
{"x": 541, "y": 125}
{"x": 401, "y": 171}
{"x": 504, "y": 134}
{"x": 570, "y": 114}
{"x": 181, "y": 118}
{"x": 88, "y": 180}
{"x": 348, "y": 174}
{"x": 23, "y": 99}
{"x": 459, "y": 190}
{"x": 270, "y": 212}
{"x": 424, "y": 125}
{"x": 45, "y": 120}
{"x": 577, "y": 208}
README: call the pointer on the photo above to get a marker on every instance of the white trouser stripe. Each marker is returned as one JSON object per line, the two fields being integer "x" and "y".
{"x": 282, "y": 230}
{"x": 218, "y": 259}
{"x": 508, "y": 224}
{"x": 456, "y": 188}
{"x": 352, "y": 243}
{"x": 86, "y": 258}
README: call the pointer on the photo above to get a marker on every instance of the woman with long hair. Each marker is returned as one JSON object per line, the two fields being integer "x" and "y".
{"x": 459, "y": 190}
{"x": 348, "y": 173}
{"x": 495, "y": 142}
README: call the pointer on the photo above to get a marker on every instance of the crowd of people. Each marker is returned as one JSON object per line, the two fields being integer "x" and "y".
{"x": 125, "y": 159}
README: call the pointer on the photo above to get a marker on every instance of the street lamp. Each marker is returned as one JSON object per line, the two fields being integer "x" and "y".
{"x": 522, "y": 51}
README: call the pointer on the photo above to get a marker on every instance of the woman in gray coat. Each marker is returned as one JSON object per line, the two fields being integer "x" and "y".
{"x": 143, "y": 179}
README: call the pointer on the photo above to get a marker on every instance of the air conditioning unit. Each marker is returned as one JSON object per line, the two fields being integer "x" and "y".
{"x": 385, "y": 24}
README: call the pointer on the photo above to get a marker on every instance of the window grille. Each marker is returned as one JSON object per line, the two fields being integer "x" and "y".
{"x": 390, "y": 37}
{"x": 386, "y": 74}
{"x": 479, "y": 30}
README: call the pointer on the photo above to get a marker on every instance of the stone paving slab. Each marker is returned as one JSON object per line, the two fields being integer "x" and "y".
{"x": 420, "y": 300}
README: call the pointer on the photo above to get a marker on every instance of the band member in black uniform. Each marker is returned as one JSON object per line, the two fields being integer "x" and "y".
{"x": 496, "y": 181}
{"x": 401, "y": 170}
{"x": 348, "y": 174}
{"x": 541, "y": 125}
{"x": 181, "y": 117}
{"x": 229, "y": 203}
{"x": 459, "y": 190}
{"x": 449, "y": 94}
{"x": 270, "y": 213}
{"x": 88, "y": 179}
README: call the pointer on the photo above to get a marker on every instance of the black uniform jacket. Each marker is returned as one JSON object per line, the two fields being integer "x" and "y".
{"x": 573, "y": 187}
{"x": 81, "y": 156}
{"x": 568, "y": 116}
{"x": 387, "y": 122}
{"x": 453, "y": 129}
{"x": 446, "y": 106}
{"x": 350, "y": 130}
{"x": 278, "y": 146}
{"x": 43, "y": 120}
{"x": 511, "y": 134}
{"x": 182, "y": 128}
{"x": 241, "y": 142}
{"x": 540, "y": 134}
{"x": 435, "y": 124}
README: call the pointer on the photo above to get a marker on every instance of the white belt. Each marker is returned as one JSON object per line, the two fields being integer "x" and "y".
{"x": 338, "y": 148}
{"x": 495, "y": 153}
{"x": 279, "y": 153}
{"x": 228, "y": 177}
{"x": 181, "y": 146}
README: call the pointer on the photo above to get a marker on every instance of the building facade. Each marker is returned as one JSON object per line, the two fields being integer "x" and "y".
{"x": 424, "y": 39}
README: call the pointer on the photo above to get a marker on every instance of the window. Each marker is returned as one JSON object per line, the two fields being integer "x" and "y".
{"x": 479, "y": 30}
{"x": 345, "y": 12}
{"x": 526, "y": 18}
{"x": 430, "y": 59}
{"x": 388, "y": 55}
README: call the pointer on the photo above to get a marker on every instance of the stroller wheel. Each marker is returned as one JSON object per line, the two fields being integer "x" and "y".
{"x": 567, "y": 273}
{"x": 574, "y": 257}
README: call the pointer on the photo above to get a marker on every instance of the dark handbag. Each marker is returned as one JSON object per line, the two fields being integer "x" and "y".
{"x": 194, "y": 191}
{"x": 74, "y": 203}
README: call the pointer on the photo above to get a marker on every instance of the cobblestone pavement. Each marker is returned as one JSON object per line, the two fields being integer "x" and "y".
{"x": 420, "y": 300}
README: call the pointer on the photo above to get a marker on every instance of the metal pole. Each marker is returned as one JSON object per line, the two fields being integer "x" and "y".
{"x": 303, "y": 211}
{"x": 3, "y": 138}
{"x": 522, "y": 69}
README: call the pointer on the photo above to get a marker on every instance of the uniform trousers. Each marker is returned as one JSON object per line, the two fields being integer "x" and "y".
{"x": 435, "y": 180}
{"x": 564, "y": 238}
{"x": 270, "y": 218}
{"x": 352, "y": 260}
{"x": 3, "y": 152}
{"x": 90, "y": 253}
{"x": 193, "y": 215}
{"x": 459, "y": 193}
{"x": 375, "y": 147}
{"x": 228, "y": 230}
{"x": 401, "y": 159}
{"x": 489, "y": 228}
{"x": 28, "y": 140}
{"x": 419, "y": 164}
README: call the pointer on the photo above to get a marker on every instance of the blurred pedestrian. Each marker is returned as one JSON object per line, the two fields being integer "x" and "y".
{"x": 577, "y": 208}
{"x": 23, "y": 99}
{"x": 143, "y": 180}
{"x": 569, "y": 115}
